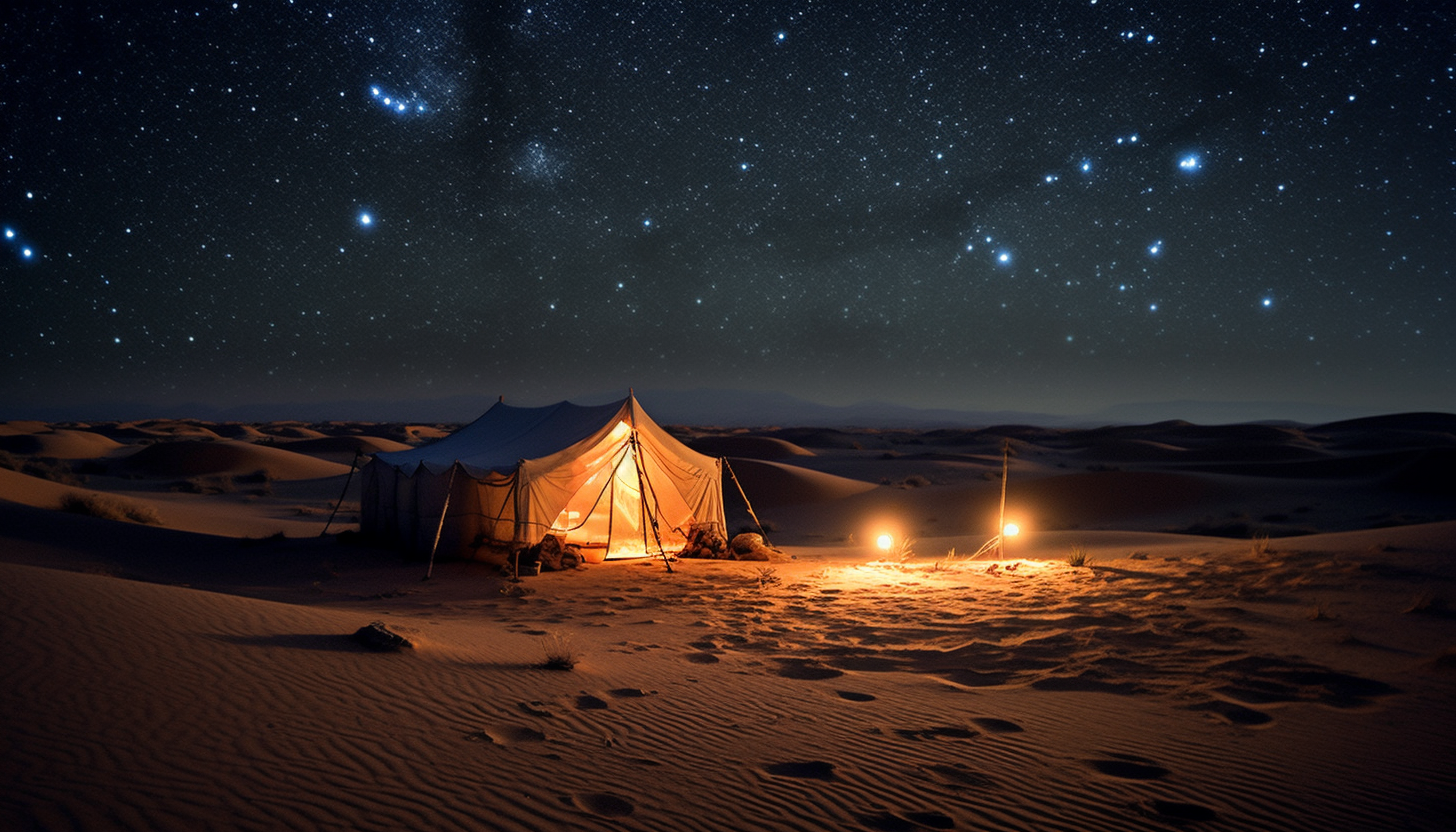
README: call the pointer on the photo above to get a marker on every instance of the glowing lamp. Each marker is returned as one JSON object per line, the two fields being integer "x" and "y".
{"x": 1010, "y": 530}
{"x": 884, "y": 541}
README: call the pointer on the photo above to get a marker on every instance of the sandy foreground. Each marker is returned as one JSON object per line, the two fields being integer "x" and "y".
{"x": 197, "y": 671}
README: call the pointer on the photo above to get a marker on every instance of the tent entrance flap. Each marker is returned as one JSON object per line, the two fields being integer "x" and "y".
{"x": 604, "y": 512}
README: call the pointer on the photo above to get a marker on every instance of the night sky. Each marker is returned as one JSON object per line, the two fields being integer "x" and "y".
{"x": 1047, "y": 206}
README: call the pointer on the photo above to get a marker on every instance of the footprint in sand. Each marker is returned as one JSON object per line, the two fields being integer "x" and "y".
{"x": 998, "y": 726}
{"x": 1129, "y": 767}
{"x": 587, "y": 702}
{"x": 601, "y": 803}
{"x": 810, "y": 770}
{"x": 702, "y": 658}
{"x": 507, "y": 736}
{"x": 855, "y": 697}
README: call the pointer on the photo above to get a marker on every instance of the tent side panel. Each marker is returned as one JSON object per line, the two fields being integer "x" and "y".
{"x": 480, "y": 519}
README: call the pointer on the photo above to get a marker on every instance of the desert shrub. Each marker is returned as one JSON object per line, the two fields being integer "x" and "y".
{"x": 767, "y": 578}
{"x": 916, "y": 481}
{"x": 558, "y": 652}
{"x": 109, "y": 508}
{"x": 205, "y": 485}
{"x": 906, "y": 550}
{"x": 1259, "y": 545}
{"x": 259, "y": 476}
{"x": 1078, "y": 556}
{"x": 50, "y": 469}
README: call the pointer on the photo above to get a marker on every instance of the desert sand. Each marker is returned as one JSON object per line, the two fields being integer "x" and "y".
{"x": 1240, "y": 627}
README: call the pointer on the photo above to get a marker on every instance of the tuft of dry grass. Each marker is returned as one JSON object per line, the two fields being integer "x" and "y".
{"x": 1259, "y": 546}
{"x": 558, "y": 650}
{"x": 1078, "y": 557}
{"x": 109, "y": 508}
{"x": 768, "y": 578}
{"x": 906, "y": 550}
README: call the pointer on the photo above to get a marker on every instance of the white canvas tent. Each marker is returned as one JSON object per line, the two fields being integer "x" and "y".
{"x": 605, "y": 478}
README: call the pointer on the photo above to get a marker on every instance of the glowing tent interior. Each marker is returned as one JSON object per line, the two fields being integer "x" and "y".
{"x": 605, "y": 478}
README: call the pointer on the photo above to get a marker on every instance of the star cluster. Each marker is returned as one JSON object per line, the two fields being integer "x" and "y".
{"x": 1036, "y": 205}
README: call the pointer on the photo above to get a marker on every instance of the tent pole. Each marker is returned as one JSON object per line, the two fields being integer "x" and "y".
{"x": 449, "y": 487}
{"x": 744, "y": 494}
{"x": 643, "y": 491}
{"x": 352, "y": 466}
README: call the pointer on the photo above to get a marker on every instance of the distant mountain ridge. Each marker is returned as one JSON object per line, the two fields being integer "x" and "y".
{"x": 715, "y": 407}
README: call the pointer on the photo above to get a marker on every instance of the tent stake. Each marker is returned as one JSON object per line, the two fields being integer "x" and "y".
{"x": 352, "y": 465}
{"x": 449, "y": 487}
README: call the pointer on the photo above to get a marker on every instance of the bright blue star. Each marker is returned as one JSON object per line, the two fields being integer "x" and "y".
{"x": 1003, "y": 258}
{"x": 366, "y": 219}
{"x": 1086, "y": 166}
{"x": 26, "y": 252}
{"x": 9, "y": 233}
{"x": 399, "y": 104}
{"x": 647, "y": 222}
{"x": 1267, "y": 303}
{"x": 780, "y": 36}
{"x": 1156, "y": 248}
{"x": 1190, "y": 162}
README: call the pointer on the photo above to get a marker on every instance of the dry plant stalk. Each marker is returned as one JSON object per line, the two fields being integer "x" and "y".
{"x": 559, "y": 654}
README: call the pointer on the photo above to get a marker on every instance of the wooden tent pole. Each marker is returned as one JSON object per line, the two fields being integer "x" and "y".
{"x": 644, "y": 488}
{"x": 342, "y": 494}
{"x": 744, "y": 494}
{"x": 439, "y": 528}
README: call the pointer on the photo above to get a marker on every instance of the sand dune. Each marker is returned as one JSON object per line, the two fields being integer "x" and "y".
{"x": 346, "y": 445}
{"x": 160, "y": 677}
{"x": 775, "y": 484}
{"x": 60, "y": 444}
{"x": 186, "y": 458}
{"x": 748, "y": 447}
